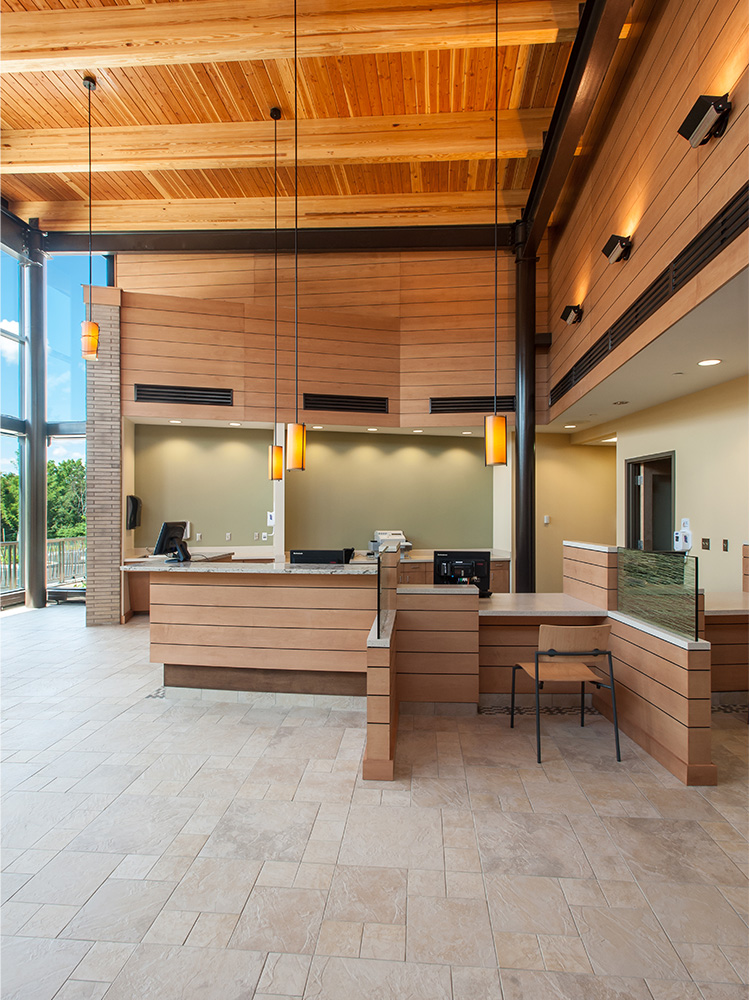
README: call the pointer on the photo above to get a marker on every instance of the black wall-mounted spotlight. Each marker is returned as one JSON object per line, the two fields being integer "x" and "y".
{"x": 617, "y": 248}
{"x": 708, "y": 117}
{"x": 572, "y": 314}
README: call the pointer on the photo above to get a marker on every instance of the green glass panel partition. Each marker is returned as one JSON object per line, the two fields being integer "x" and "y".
{"x": 660, "y": 588}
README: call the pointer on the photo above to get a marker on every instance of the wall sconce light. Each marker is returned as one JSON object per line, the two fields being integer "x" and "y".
{"x": 708, "y": 117}
{"x": 572, "y": 314}
{"x": 617, "y": 248}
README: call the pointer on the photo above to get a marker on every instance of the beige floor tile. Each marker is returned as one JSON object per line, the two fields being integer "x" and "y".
{"x": 362, "y": 894}
{"x": 79, "y": 990}
{"x": 283, "y": 920}
{"x": 284, "y": 975}
{"x": 698, "y": 914}
{"x": 69, "y": 878}
{"x": 170, "y": 927}
{"x": 104, "y": 961}
{"x": 262, "y": 831}
{"x": 366, "y": 979}
{"x": 278, "y": 873}
{"x": 475, "y": 984}
{"x": 215, "y": 885}
{"x": 36, "y": 968}
{"x": 311, "y": 876}
{"x": 738, "y": 956}
{"x": 425, "y": 883}
{"x": 528, "y": 904}
{"x": 385, "y": 942}
{"x": 390, "y": 837}
{"x": 670, "y": 989}
{"x": 171, "y": 973}
{"x": 462, "y": 838}
{"x": 28, "y": 862}
{"x": 627, "y": 942}
{"x": 627, "y": 894}
{"x": 558, "y": 798}
{"x": 212, "y": 930}
{"x": 737, "y": 895}
{"x": 120, "y": 910}
{"x": 321, "y": 852}
{"x": 49, "y": 920}
{"x": 135, "y": 866}
{"x": 339, "y": 937}
{"x": 531, "y": 985}
{"x": 518, "y": 951}
{"x": 454, "y": 931}
{"x": 320, "y": 787}
{"x": 169, "y": 868}
{"x": 723, "y": 991}
{"x": 433, "y": 793}
{"x": 530, "y": 844}
{"x": 564, "y": 954}
{"x": 707, "y": 962}
{"x": 466, "y": 885}
{"x": 582, "y": 892}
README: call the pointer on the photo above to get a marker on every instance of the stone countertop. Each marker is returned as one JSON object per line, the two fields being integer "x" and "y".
{"x": 442, "y": 588}
{"x": 204, "y": 555}
{"x": 531, "y": 605}
{"x": 427, "y": 555}
{"x": 300, "y": 569}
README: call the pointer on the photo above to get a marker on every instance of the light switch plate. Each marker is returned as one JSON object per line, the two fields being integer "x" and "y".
{"x": 705, "y": 543}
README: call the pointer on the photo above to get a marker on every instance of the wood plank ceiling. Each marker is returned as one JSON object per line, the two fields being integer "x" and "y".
{"x": 396, "y": 110}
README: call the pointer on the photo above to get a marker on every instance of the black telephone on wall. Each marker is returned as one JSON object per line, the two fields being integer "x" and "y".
{"x": 133, "y": 506}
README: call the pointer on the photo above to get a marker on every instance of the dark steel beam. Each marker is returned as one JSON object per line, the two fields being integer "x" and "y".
{"x": 590, "y": 58}
{"x": 35, "y": 486}
{"x": 13, "y": 233}
{"x": 525, "y": 480}
{"x": 383, "y": 238}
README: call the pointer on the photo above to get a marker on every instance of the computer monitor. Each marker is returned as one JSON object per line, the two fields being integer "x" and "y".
{"x": 170, "y": 540}
{"x": 463, "y": 568}
{"x": 330, "y": 556}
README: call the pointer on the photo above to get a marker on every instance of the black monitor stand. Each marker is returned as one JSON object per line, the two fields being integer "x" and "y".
{"x": 181, "y": 553}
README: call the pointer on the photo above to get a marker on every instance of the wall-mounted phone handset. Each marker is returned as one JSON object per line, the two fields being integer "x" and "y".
{"x": 133, "y": 506}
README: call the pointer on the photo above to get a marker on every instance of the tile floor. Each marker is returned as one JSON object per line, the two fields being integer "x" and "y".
{"x": 218, "y": 847}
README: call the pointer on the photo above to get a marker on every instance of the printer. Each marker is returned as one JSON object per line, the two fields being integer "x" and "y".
{"x": 392, "y": 538}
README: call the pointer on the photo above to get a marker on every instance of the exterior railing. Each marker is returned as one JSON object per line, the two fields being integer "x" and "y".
{"x": 66, "y": 563}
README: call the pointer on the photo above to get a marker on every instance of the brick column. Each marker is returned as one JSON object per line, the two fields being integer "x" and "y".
{"x": 103, "y": 465}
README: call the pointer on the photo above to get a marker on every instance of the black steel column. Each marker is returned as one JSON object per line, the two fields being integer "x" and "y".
{"x": 35, "y": 486}
{"x": 525, "y": 479}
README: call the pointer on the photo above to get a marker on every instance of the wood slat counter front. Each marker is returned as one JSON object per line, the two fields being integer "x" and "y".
{"x": 263, "y": 627}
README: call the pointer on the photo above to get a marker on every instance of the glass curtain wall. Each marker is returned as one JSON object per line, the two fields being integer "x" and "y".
{"x": 12, "y": 403}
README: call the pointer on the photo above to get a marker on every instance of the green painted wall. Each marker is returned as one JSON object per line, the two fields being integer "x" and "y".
{"x": 437, "y": 490}
{"x": 216, "y": 477}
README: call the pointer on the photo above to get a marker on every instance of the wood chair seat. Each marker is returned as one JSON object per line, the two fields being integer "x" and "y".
{"x": 570, "y": 670}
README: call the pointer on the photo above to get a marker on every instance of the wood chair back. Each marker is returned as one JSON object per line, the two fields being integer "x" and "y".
{"x": 574, "y": 639}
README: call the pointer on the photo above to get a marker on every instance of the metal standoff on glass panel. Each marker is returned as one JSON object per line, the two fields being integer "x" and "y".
{"x": 569, "y": 653}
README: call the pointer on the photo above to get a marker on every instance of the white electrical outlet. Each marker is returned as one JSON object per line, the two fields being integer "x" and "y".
{"x": 264, "y": 536}
{"x": 228, "y": 536}
{"x": 271, "y": 518}
{"x": 199, "y": 536}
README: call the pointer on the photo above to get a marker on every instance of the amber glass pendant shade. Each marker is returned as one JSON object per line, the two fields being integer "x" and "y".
{"x": 89, "y": 340}
{"x": 495, "y": 440}
{"x": 296, "y": 446}
{"x": 275, "y": 461}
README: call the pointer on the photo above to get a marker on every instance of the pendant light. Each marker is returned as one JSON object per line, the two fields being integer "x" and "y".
{"x": 495, "y": 426}
{"x": 296, "y": 433}
{"x": 89, "y": 329}
{"x": 275, "y": 451}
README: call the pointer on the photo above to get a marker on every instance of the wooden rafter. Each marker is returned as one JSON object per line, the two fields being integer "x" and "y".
{"x": 238, "y": 30}
{"x": 403, "y": 139}
{"x": 471, "y": 208}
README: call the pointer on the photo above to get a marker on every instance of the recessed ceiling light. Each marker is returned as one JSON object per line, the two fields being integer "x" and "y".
{"x": 621, "y": 402}
{"x": 175, "y": 421}
{"x": 466, "y": 432}
{"x": 570, "y": 427}
{"x": 709, "y": 362}
{"x": 317, "y": 427}
{"x": 608, "y": 440}
{"x": 417, "y": 432}
{"x": 372, "y": 428}
{"x": 233, "y": 423}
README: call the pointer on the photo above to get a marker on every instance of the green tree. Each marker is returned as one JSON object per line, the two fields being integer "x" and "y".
{"x": 66, "y": 498}
{"x": 9, "y": 506}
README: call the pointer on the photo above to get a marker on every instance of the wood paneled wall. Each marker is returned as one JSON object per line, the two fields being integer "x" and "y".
{"x": 590, "y": 575}
{"x": 745, "y": 568}
{"x": 728, "y": 635}
{"x": 404, "y": 325}
{"x": 647, "y": 182}
{"x": 305, "y": 623}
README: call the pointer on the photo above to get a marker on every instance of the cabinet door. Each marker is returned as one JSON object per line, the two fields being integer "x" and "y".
{"x": 500, "y": 577}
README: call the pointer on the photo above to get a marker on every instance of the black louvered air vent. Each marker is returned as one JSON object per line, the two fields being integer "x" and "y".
{"x": 187, "y": 394}
{"x": 710, "y": 241}
{"x": 344, "y": 404}
{"x": 471, "y": 404}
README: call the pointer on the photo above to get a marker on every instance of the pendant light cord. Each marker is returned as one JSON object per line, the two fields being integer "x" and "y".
{"x": 296, "y": 248}
{"x": 497, "y": 101}
{"x": 91, "y": 266}
{"x": 275, "y": 274}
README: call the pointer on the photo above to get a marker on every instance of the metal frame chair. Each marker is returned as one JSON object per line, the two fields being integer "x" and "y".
{"x": 579, "y": 641}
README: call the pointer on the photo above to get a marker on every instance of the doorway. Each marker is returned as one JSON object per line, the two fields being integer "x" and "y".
{"x": 650, "y": 502}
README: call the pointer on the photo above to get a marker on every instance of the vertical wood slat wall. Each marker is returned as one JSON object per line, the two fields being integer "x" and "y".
{"x": 405, "y": 325}
{"x": 647, "y": 182}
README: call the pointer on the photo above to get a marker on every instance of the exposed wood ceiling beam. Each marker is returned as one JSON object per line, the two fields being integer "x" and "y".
{"x": 230, "y": 145}
{"x": 471, "y": 208}
{"x": 199, "y": 31}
